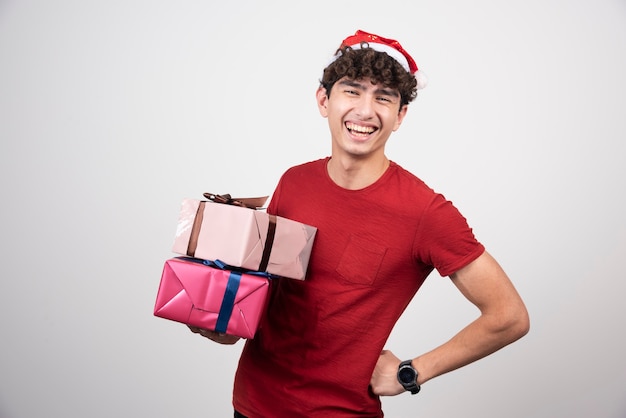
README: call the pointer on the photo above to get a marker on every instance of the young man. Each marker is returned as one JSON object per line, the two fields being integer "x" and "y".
{"x": 381, "y": 231}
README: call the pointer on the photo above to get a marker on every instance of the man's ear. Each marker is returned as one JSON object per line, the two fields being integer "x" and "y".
{"x": 400, "y": 118}
{"x": 322, "y": 101}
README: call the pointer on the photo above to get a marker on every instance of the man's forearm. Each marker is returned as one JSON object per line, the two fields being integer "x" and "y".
{"x": 482, "y": 337}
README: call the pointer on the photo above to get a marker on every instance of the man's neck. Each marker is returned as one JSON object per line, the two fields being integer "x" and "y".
{"x": 354, "y": 174}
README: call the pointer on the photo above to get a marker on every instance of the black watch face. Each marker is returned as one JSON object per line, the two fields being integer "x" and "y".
{"x": 406, "y": 375}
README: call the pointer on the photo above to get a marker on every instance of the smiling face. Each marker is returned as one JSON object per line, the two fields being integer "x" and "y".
{"x": 361, "y": 116}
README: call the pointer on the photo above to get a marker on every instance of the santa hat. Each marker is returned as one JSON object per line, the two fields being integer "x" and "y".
{"x": 390, "y": 46}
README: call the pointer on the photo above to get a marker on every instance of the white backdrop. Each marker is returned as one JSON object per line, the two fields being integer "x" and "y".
{"x": 112, "y": 112}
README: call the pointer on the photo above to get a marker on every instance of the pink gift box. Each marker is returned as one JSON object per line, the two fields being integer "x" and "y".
{"x": 244, "y": 237}
{"x": 199, "y": 295}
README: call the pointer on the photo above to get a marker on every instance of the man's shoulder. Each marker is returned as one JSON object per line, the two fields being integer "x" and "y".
{"x": 408, "y": 178}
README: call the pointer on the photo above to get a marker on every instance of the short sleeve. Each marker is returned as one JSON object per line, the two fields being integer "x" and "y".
{"x": 444, "y": 239}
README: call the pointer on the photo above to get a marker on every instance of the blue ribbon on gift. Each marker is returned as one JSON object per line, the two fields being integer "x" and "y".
{"x": 228, "y": 302}
{"x": 232, "y": 286}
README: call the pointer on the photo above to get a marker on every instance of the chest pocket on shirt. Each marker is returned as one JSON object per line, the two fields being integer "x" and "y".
{"x": 361, "y": 260}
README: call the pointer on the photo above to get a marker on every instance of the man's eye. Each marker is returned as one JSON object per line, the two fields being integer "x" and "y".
{"x": 351, "y": 92}
{"x": 384, "y": 99}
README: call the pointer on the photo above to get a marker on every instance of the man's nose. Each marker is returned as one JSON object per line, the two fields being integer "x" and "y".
{"x": 365, "y": 107}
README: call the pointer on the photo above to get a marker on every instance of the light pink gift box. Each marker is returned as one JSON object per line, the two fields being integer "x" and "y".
{"x": 244, "y": 237}
{"x": 211, "y": 298}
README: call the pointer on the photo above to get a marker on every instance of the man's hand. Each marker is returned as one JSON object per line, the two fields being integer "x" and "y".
{"x": 218, "y": 337}
{"x": 384, "y": 381}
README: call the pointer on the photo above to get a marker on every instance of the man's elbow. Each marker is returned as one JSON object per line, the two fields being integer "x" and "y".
{"x": 516, "y": 323}
{"x": 522, "y": 326}
{"x": 508, "y": 323}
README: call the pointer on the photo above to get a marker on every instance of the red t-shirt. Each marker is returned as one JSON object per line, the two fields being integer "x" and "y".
{"x": 316, "y": 348}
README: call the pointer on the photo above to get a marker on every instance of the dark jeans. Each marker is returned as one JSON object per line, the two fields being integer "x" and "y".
{"x": 238, "y": 415}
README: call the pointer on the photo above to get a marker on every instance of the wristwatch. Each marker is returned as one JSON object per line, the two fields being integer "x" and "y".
{"x": 407, "y": 376}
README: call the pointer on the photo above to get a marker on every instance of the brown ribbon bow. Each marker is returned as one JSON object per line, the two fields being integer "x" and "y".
{"x": 246, "y": 202}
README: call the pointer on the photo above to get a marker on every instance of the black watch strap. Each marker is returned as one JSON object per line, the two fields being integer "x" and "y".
{"x": 407, "y": 376}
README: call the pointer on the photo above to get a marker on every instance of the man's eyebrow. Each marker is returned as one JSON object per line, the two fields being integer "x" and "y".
{"x": 388, "y": 92}
{"x": 351, "y": 83}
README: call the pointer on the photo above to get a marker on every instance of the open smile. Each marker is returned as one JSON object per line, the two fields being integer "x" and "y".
{"x": 359, "y": 130}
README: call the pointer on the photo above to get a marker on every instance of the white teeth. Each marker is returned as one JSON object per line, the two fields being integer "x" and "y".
{"x": 361, "y": 129}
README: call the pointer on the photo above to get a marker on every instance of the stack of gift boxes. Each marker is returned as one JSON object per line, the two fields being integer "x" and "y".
{"x": 228, "y": 252}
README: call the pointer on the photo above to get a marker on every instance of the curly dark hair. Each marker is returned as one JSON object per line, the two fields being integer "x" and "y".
{"x": 368, "y": 63}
